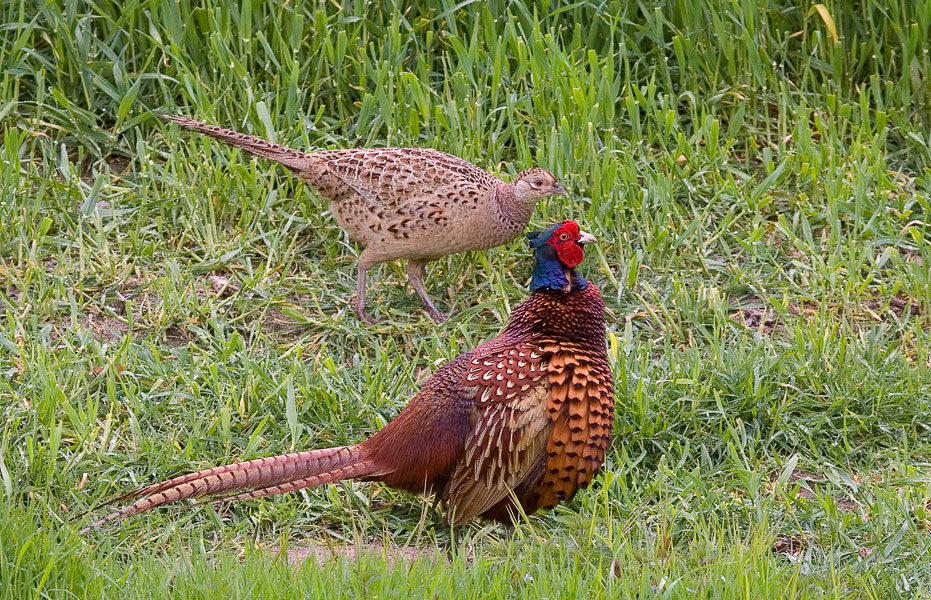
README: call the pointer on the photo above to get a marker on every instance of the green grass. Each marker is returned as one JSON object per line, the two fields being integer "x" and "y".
{"x": 763, "y": 197}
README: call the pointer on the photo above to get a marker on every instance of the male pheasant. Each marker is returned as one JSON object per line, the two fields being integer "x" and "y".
{"x": 406, "y": 203}
{"x": 529, "y": 412}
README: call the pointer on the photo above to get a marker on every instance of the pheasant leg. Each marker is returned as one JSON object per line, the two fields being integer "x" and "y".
{"x": 415, "y": 272}
{"x": 363, "y": 267}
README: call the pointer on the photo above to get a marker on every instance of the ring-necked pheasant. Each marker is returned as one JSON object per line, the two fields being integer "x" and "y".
{"x": 416, "y": 204}
{"x": 530, "y": 411}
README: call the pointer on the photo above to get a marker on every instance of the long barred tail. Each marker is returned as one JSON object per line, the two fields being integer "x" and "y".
{"x": 251, "y": 479}
{"x": 293, "y": 159}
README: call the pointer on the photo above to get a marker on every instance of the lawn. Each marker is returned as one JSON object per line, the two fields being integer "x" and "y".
{"x": 759, "y": 178}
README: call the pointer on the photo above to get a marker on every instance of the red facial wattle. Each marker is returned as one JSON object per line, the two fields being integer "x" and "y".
{"x": 568, "y": 250}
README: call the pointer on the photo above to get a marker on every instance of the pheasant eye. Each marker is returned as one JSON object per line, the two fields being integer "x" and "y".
{"x": 564, "y": 237}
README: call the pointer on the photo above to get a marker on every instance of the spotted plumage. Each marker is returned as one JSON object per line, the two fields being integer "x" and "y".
{"x": 527, "y": 415}
{"x": 416, "y": 204}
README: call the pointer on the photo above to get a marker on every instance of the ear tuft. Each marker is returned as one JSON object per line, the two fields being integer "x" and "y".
{"x": 534, "y": 238}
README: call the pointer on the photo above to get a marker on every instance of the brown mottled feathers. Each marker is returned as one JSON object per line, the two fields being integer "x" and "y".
{"x": 383, "y": 175}
{"x": 416, "y": 204}
{"x": 526, "y": 415}
{"x": 507, "y": 438}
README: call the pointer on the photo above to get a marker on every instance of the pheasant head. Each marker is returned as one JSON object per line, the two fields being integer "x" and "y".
{"x": 534, "y": 184}
{"x": 558, "y": 250}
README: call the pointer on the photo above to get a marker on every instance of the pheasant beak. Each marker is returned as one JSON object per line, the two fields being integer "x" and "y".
{"x": 586, "y": 238}
{"x": 558, "y": 189}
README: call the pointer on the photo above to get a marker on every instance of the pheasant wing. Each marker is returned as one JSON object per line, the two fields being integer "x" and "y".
{"x": 510, "y": 428}
{"x": 392, "y": 175}
{"x": 504, "y": 445}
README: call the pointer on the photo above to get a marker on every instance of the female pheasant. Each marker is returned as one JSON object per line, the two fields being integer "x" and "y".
{"x": 417, "y": 204}
{"x": 530, "y": 412}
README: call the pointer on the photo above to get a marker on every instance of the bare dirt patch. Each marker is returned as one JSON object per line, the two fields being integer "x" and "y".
{"x": 901, "y": 303}
{"x": 174, "y": 336}
{"x": 221, "y": 284}
{"x": 789, "y": 545}
{"x": 117, "y": 163}
{"x": 281, "y": 326}
{"x": 323, "y": 553}
{"x": 753, "y": 312}
{"x": 105, "y": 327}
{"x": 761, "y": 319}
